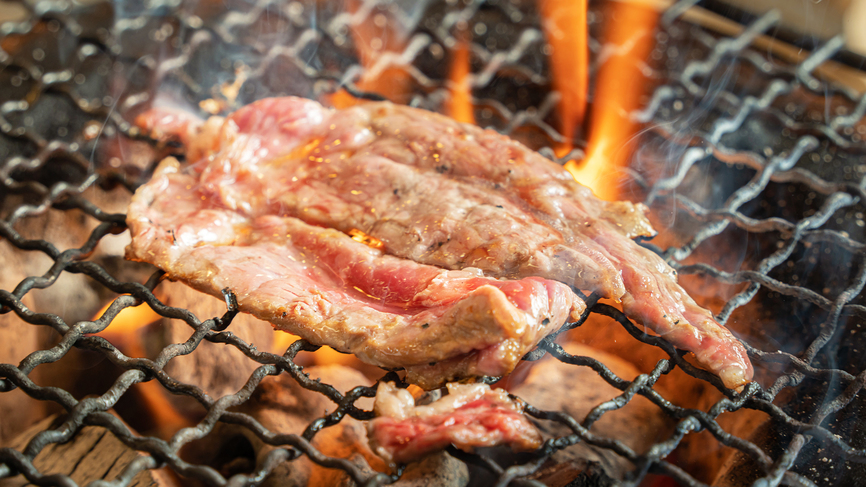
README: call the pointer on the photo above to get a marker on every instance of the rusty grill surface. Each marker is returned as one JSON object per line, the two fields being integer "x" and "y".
{"x": 760, "y": 130}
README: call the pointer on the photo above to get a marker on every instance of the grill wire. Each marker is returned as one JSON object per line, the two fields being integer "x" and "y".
{"x": 87, "y": 47}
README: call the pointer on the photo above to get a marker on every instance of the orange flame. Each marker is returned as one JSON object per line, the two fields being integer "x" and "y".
{"x": 565, "y": 28}
{"x": 374, "y": 36}
{"x": 327, "y": 355}
{"x": 618, "y": 89}
{"x": 282, "y": 341}
{"x": 127, "y": 322}
{"x": 124, "y": 332}
{"x": 460, "y": 84}
{"x": 323, "y": 356}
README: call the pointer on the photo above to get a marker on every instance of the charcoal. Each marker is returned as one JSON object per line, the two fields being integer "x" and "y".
{"x": 283, "y": 406}
{"x": 219, "y": 370}
{"x": 93, "y": 454}
{"x": 554, "y": 386}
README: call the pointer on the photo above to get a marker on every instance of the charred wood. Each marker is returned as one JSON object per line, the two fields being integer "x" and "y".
{"x": 94, "y": 453}
{"x": 73, "y": 297}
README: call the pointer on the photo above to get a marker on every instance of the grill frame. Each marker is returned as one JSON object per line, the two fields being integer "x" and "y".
{"x": 67, "y": 195}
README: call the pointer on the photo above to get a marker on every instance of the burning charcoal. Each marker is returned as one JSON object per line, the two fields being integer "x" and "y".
{"x": 69, "y": 229}
{"x": 282, "y": 406}
{"x": 699, "y": 452}
{"x": 573, "y": 474}
{"x": 554, "y": 386}
{"x": 17, "y": 409}
{"x": 65, "y": 230}
{"x": 93, "y": 454}
{"x": 217, "y": 368}
{"x": 816, "y": 460}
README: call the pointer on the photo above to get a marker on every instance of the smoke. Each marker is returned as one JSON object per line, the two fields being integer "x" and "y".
{"x": 234, "y": 52}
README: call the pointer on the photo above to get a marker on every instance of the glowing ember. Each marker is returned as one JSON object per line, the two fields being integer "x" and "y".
{"x": 327, "y": 355}
{"x": 619, "y": 86}
{"x": 323, "y": 356}
{"x": 460, "y": 84}
{"x": 123, "y": 332}
{"x": 565, "y": 29}
{"x": 127, "y": 322}
{"x": 415, "y": 391}
{"x": 282, "y": 341}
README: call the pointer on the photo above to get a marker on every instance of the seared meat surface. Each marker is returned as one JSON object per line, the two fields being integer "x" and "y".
{"x": 470, "y": 416}
{"x": 322, "y": 285}
{"x": 429, "y": 193}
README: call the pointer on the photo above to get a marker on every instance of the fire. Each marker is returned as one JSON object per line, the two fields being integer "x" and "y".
{"x": 460, "y": 83}
{"x": 323, "y": 356}
{"x": 565, "y": 28}
{"x": 415, "y": 391}
{"x": 618, "y": 89}
{"x": 127, "y": 322}
{"x": 282, "y": 341}
{"x": 124, "y": 332}
{"x": 327, "y": 355}
{"x": 374, "y": 36}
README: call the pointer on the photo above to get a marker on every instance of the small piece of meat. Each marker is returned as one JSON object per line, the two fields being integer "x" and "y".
{"x": 321, "y": 284}
{"x": 436, "y": 192}
{"x": 470, "y": 416}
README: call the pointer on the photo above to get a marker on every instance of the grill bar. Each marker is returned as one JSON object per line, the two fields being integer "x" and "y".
{"x": 695, "y": 81}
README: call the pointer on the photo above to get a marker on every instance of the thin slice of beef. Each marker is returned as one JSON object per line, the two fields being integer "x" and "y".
{"x": 433, "y": 191}
{"x": 321, "y": 284}
{"x": 470, "y": 416}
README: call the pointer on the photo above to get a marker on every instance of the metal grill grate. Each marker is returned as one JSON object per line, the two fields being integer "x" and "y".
{"x": 63, "y": 102}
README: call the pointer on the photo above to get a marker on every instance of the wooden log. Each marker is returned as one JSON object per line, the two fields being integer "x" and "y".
{"x": 94, "y": 453}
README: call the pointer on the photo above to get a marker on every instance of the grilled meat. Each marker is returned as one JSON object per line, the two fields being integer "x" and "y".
{"x": 471, "y": 415}
{"x": 321, "y": 284}
{"x": 428, "y": 191}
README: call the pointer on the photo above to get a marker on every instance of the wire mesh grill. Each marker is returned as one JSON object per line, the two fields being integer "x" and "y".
{"x": 782, "y": 150}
